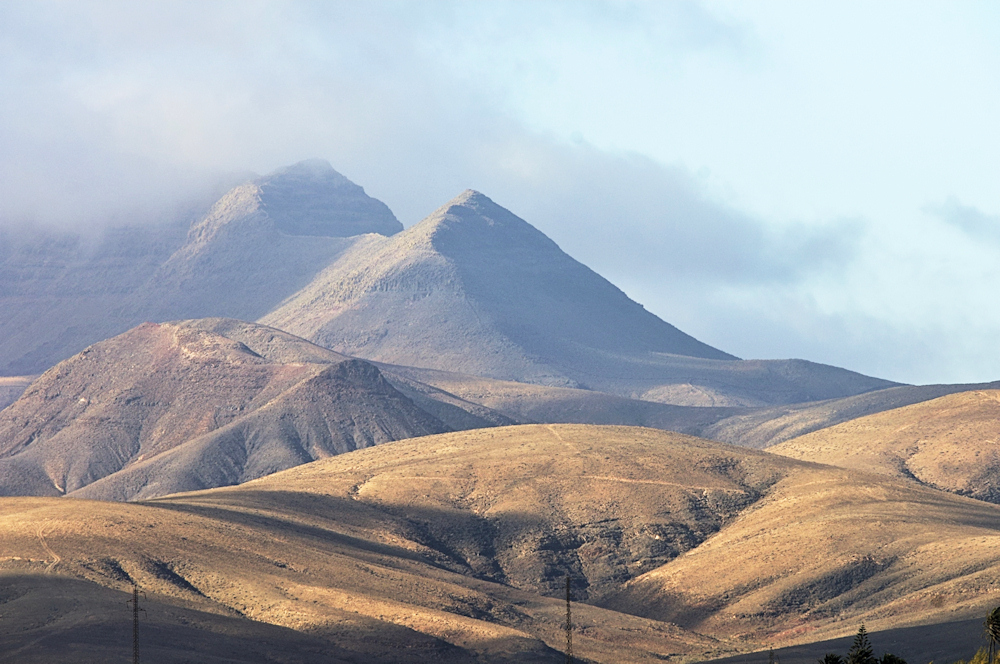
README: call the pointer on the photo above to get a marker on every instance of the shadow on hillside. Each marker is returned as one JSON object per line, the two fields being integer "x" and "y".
{"x": 943, "y": 642}
{"x": 51, "y": 619}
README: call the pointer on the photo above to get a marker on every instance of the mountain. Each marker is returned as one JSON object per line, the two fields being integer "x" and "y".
{"x": 455, "y": 547}
{"x": 950, "y": 443}
{"x": 179, "y": 406}
{"x": 62, "y": 291}
{"x": 241, "y": 256}
{"x": 262, "y": 242}
{"x": 474, "y": 289}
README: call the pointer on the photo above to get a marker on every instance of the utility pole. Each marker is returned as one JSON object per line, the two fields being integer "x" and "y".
{"x": 135, "y": 621}
{"x": 569, "y": 625}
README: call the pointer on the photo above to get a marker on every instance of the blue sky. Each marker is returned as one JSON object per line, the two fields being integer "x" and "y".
{"x": 780, "y": 179}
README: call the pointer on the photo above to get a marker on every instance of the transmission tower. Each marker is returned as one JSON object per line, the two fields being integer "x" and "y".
{"x": 569, "y": 625}
{"x": 135, "y": 620}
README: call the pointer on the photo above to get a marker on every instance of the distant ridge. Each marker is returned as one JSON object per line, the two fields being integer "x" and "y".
{"x": 474, "y": 289}
{"x": 240, "y": 256}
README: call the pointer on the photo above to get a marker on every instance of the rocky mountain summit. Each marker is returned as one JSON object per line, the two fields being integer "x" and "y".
{"x": 475, "y": 289}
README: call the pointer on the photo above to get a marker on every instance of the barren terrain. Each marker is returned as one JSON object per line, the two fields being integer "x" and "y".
{"x": 455, "y": 546}
{"x": 951, "y": 443}
{"x": 172, "y": 407}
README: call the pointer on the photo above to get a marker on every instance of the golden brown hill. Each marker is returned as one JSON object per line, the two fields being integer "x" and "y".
{"x": 951, "y": 443}
{"x": 825, "y": 550}
{"x": 761, "y": 428}
{"x": 171, "y": 407}
{"x": 454, "y": 546}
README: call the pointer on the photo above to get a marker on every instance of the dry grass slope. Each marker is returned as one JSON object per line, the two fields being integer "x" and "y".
{"x": 951, "y": 443}
{"x": 453, "y": 547}
{"x": 764, "y": 427}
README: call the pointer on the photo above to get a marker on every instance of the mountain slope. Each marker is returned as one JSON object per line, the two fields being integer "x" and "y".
{"x": 405, "y": 543}
{"x": 826, "y": 549}
{"x": 169, "y": 407}
{"x": 474, "y": 289}
{"x": 764, "y": 427}
{"x": 259, "y": 243}
{"x": 263, "y": 241}
{"x": 951, "y": 443}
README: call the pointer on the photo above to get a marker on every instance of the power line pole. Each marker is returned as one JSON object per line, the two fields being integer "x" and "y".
{"x": 569, "y": 625}
{"x": 135, "y": 621}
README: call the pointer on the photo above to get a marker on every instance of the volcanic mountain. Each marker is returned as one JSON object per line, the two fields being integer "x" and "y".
{"x": 259, "y": 243}
{"x": 456, "y": 548}
{"x": 179, "y": 406}
{"x": 475, "y": 289}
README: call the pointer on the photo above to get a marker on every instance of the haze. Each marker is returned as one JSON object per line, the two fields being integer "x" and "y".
{"x": 776, "y": 179}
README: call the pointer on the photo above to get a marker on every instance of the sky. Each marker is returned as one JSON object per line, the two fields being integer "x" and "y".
{"x": 779, "y": 179}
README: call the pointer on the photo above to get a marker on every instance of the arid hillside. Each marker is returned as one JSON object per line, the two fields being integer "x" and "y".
{"x": 951, "y": 443}
{"x": 171, "y": 407}
{"x": 761, "y": 428}
{"x": 455, "y": 547}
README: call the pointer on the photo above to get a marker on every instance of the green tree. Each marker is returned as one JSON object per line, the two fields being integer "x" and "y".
{"x": 861, "y": 649}
{"x": 992, "y": 627}
{"x": 889, "y": 658}
{"x": 831, "y": 658}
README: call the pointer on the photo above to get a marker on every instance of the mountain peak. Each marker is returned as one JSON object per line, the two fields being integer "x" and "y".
{"x": 314, "y": 170}
{"x": 311, "y": 198}
{"x": 471, "y": 223}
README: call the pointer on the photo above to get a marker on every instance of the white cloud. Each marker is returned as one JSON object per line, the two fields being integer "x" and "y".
{"x": 752, "y": 172}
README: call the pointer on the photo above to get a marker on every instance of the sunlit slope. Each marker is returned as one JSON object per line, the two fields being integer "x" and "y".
{"x": 528, "y": 504}
{"x": 763, "y": 427}
{"x": 376, "y": 553}
{"x": 459, "y": 544}
{"x": 952, "y": 443}
{"x": 789, "y": 544}
{"x": 825, "y": 550}
{"x": 475, "y": 289}
{"x": 172, "y": 407}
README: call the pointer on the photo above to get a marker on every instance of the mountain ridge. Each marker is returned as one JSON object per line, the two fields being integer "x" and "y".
{"x": 475, "y": 289}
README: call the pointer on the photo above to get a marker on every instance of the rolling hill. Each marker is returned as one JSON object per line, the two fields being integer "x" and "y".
{"x": 763, "y": 427}
{"x": 950, "y": 443}
{"x": 455, "y": 546}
